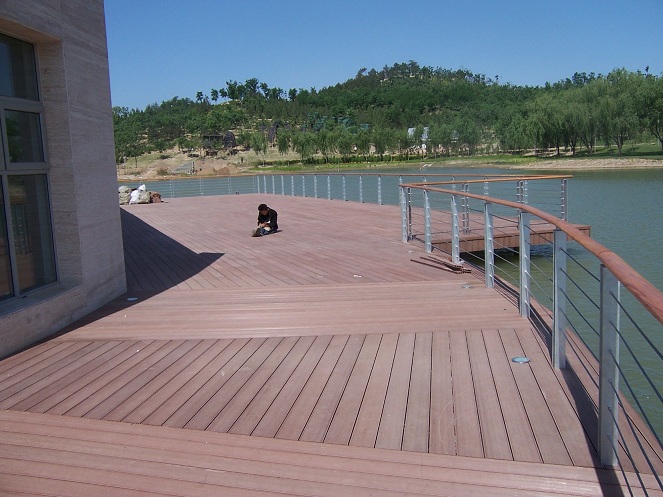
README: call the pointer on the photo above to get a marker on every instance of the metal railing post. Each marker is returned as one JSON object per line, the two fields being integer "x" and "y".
{"x": 489, "y": 241}
{"x": 282, "y": 185}
{"x": 427, "y": 224}
{"x": 230, "y": 185}
{"x": 292, "y": 185}
{"x": 273, "y": 185}
{"x": 608, "y": 368}
{"x": 328, "y": 187}
{"x": 315, "y": 186}
{"x": 343, "y": 181}
{"x": 565, "y": 200}
{"x": 264, "y": 183}
{"x": 361, "y": 189}
{"x": 466, "y": 209}
{"x": 257, "y": 184}
{"x": 523, "y": 231}
{"x": 402, "y": 199}
{"x": 559, "y": 300}
{"x": 455, "y": 231}
{"x": 303, "y": 186}
{"x": 379, "y": 189}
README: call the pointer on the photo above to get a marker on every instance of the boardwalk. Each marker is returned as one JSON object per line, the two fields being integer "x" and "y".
{"x": 317, "y": 361}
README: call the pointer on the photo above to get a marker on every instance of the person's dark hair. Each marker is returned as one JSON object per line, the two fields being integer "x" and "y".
{"x": 263, "y": 207}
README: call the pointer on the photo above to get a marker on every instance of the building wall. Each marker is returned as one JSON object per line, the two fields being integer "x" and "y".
{"x": 70, "y": 43}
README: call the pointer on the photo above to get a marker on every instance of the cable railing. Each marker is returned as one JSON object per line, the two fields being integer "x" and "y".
{"x": 546, "y": 192}
{"x": 602, "y": 320}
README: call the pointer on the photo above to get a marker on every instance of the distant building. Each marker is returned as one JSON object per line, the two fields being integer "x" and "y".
{"x": 61, "y": 252}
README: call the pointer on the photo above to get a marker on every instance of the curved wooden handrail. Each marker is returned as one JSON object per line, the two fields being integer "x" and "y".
{"x": 647, "y": 294}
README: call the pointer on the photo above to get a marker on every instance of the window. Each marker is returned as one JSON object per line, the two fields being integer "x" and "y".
{"x": 27, "y": 255}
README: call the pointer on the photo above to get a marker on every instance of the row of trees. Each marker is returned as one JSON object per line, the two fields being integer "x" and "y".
{"x": 450, "y": 112}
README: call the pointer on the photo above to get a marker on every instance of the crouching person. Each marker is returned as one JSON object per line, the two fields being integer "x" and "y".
{"x": 267, "y": 221}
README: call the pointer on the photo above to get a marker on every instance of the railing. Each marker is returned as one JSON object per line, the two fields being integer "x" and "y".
{"x": 546, "y": 192}
{"x": 603, "y": 320}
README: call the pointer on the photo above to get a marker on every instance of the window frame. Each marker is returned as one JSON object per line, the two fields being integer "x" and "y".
{"x": 8, "y": 169}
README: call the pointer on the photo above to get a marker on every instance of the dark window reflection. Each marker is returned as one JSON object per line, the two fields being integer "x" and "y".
{"x": 18, "y": 71}
{"x": 5, "y": 266}
{"x": 24, "y": 136}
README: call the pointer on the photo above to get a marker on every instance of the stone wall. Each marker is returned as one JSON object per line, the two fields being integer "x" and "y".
{"x": 70, "y": 42}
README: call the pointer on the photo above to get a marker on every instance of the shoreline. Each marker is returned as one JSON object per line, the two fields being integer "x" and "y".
{"x": 556, "y": 164}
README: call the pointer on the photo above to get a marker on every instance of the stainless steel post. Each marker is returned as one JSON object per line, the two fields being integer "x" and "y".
{"x": 559, "y": 300}
{"x": 525, "y": 277}
{"x": 489, "y": 245}
{"x": 427, "y": 223}
{"x": 403, "y": 202}
{"x": 608, "y": 368}
{"x": 455, "y": 232}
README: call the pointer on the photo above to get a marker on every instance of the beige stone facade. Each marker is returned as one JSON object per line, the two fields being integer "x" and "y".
{"x": 69, "y": 37}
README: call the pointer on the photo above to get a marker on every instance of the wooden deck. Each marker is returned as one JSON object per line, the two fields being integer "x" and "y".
{"x": 316, "y": 361}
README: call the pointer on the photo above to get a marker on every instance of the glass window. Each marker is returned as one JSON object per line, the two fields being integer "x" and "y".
{"x": 31, "y": 228}
{"x": 6, "y": 286}
{"x": 24, "y": 136}
{"x": 18, "y": 71}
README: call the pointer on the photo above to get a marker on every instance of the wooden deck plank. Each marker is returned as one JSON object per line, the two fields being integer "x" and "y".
{"x": 345, "y": 418}
{"x": 390, "y": 433}
{"x": 371, "y": 410}
{"x": 493, "y": 427}
{"x": 443, "y": 425}
{"x": 191, "y": 389}
{"x": 521, "y": 437}
{"x": 417, "y": 416}
{"x": 264, "y": 398}
{"x": 468, "y": 429}
{"x": 201, "y": 407}
{"x": 298, "y": 417}
{"x": 372, "y": 469}
{"x": 542, "y": 421}
{"x": 322, "y": 415}
{"x": 283, "y": 404}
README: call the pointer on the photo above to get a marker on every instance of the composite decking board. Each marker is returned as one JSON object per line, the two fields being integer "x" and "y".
{"x": 256, "y": 410}
{"x": 542, "y": 421}
{"x": 169, "y": 354}
{"x": 468, "y": 428}
{"x": 122, "y": 448}
{"x": 371, "y": 409}
{"x": 204, "y": 381}
{"x": 245, "y": 397}
{"x": 121, "y": 376}
{"x": 493, "y": 425}
{"x": 150, "y": 394}
{"x": 325, "y": 408}
{"x": 28, "y": 381}
{"x": 521, "y": 437}
{"x": 295, "y": 421}
{"x": 442, "y": 437}
{"x": 200, "y": 408}
{"x": 575, "y": 439}
{"x": 274, "y": 417}
{"x": 231, "y": 400}
{"x": 95, "y": 390}
{"x": 58, "y": 385}
{"x": 417, "y": 415}
{"x": 201, "y": 356}
{"x": 79, "y": 384}
{"x": 345, "y": 417}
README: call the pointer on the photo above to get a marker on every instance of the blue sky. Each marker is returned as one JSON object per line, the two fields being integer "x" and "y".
{"x": 159, "y": 49}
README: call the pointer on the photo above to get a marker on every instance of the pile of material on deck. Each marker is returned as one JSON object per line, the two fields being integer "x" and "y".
{"x": 445, "y": 264}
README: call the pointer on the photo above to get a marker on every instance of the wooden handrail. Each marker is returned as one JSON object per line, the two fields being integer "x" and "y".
{"x": 647, "y": 294}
